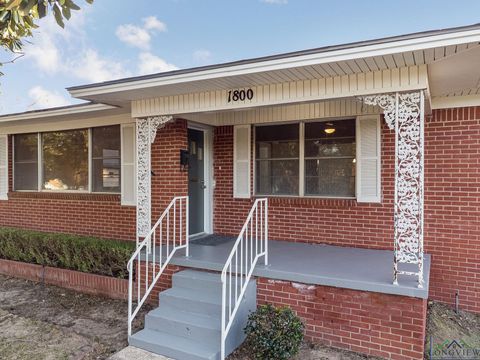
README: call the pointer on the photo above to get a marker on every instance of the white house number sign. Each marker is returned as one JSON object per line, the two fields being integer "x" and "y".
{"x": 239, "y": 95}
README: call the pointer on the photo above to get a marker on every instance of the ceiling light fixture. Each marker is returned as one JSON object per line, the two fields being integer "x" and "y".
{"x": 329, "y": 129}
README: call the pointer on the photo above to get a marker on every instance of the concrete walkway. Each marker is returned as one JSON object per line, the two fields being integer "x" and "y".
{"x": 133, "y": 353}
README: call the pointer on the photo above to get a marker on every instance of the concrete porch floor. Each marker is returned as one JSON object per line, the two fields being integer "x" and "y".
{"x": 319, "y": 264}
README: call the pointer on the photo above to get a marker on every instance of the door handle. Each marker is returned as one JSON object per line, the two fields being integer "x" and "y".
{"x": 202, "y": 184}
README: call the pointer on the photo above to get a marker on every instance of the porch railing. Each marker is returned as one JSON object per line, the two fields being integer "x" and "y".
{"x": 153, "y": 254}
{"x": 251, "y": 244}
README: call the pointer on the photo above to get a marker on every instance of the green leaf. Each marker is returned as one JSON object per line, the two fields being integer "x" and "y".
{"x": 70, "y": 4}
{"x": 13, "y": 4}
{"x": 66, "y": 12}
{"x": 58, "y": 15}
{"x": 28, "y": 5}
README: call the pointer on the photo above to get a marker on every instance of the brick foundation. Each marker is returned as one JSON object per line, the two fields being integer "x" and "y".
{"x": 388, "y": 326}
{"x": 68, "y": 279}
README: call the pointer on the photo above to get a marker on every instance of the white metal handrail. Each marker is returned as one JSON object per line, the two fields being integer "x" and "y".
{"x": 251, "y": 244}
{"x": 169, "y": 234}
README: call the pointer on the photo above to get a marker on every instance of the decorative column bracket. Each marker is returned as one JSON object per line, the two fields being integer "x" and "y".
{"x": 404, "y": 112}
{"x": 146, "y": 133}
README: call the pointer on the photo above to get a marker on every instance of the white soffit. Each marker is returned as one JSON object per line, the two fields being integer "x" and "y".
{"x": 456, "y": 75}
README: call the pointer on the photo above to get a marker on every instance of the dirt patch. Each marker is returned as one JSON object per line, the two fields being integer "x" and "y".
{"x": 310, "y": 351}
{"x": 46, "y": 322}
{"x": 445, "y": 325}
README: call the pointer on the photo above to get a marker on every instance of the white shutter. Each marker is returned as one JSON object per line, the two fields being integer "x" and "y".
{"x": 241, "y": 161}
{"x": 3, "y": 167}
{"x": 128, "y": 155}
{"x": 368, "y": 159}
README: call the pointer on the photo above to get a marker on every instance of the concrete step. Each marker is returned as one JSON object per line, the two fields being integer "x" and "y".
{"x": 173, "y": 346}
{"x": 195, "y": 326}
{"x": 195, "y": 301}
{"x": 187, "y": 324}
{"x": 199, "y": 280}
{"x": 202, "y": 281}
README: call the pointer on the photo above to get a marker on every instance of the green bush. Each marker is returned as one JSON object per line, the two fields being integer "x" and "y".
{"x": 80, "y": 253}
{"x": 274, "y": 333}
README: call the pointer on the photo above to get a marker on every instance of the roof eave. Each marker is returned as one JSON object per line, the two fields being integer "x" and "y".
{"x": 55, "y": 112}
{"x": 352, "y": 51}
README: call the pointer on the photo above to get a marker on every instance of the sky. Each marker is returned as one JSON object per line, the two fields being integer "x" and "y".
{"x": 113, "y": 39}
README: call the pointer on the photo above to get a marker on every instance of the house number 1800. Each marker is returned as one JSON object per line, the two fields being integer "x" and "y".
{"x": 240, "y": 95}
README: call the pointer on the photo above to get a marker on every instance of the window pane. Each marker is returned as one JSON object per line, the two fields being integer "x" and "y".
{"x": 329, "y": 148}
{"x": 277, "y": 132}
{"x": 330, "y": 129}
{"x": 330, "y": 177}
{"x": 277, "y": 152}
{"x": 26, "y": 162}
{"x": 277, "y": 177}
{"x": 330, "y": 158}
{"x": 65, "y": 160}
{"x": 106, "y": 159}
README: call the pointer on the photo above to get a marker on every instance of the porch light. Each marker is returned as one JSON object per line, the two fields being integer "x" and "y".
{"x": 329, "y": 129}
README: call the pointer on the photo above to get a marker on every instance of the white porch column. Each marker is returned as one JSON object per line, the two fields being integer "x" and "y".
{"x": 404, "y": 112}
{"x": 146, "y": 133}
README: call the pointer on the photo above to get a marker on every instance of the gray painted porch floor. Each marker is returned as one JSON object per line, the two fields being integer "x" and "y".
{"x": 344, "y": 267}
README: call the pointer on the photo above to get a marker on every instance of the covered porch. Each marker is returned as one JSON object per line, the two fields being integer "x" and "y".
{"x": 313, "y": 264}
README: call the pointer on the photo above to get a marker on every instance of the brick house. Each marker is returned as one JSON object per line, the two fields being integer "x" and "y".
{"x": 341, "y": 181}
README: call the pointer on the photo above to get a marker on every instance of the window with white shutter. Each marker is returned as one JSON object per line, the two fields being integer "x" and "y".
{"x": 3, "y": 167}
{"x": 368, "y": 159}
{"x": 241, "y": 161}
{"x": 128, "y": 179}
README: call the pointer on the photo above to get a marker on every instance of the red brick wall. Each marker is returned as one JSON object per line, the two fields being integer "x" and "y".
{"x": 169, "y": 180}
{"x": 98, "y": 214}
{"x": 376, "y": 324}
{"x": 452, "y": 205}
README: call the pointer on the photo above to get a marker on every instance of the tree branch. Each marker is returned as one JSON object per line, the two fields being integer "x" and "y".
{"x": 13, "y": 60}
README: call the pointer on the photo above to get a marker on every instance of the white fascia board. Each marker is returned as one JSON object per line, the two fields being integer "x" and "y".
{"x": 461, "y": 37}
{"x": 448, "y": 102}
{"x": 56, "y": 112}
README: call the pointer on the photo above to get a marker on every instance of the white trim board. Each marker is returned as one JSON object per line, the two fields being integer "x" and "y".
{"x": 338, "y": 87}
{"x": 67, "y": 110}
{"x": 448, "y": 102}
{"x": 46, "y": 125}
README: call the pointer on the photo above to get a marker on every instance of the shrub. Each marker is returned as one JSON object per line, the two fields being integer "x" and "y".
{"x": 274, "y": 333}
{"x": 80, "y": 253}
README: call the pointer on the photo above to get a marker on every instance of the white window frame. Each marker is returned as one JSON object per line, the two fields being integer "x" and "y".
{"x": 40, "y": 165}
{"x": 4, "y": 196}
{"x": 301, "y": 158}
